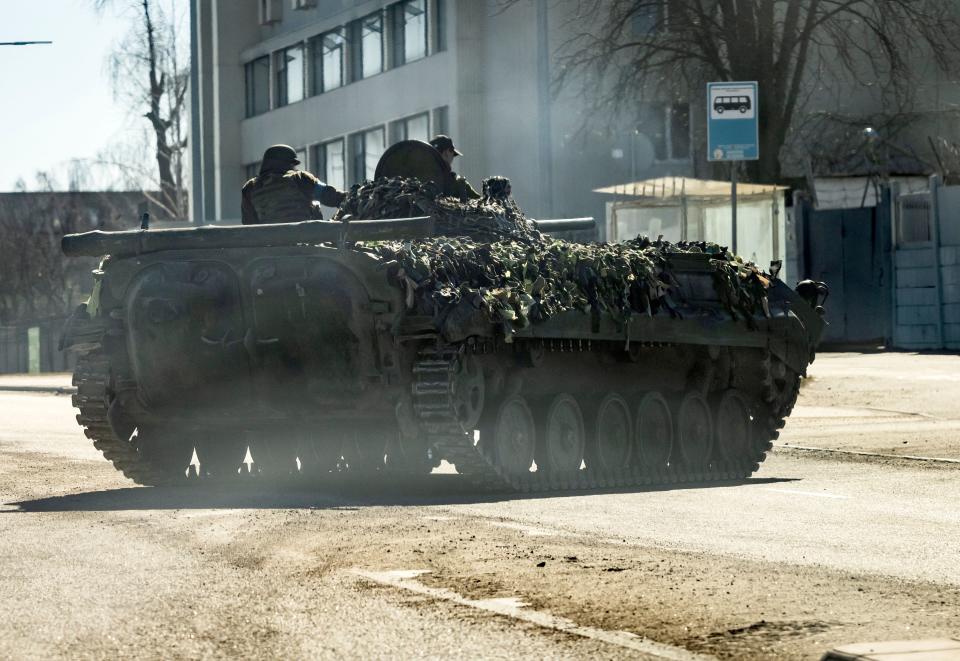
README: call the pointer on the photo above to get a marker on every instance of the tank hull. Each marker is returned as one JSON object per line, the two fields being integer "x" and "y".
{"x": 313, "y": 359}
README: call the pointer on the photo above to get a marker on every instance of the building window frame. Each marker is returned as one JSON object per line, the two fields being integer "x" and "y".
{"x": 253, "y": 85}
{"x": 320, "y": 162}
{"x": 281, "y": 65}
{"x": 362, "y": 161}
{"x": 319, "y": 48}
{"x": 440, "y": 120}
{"x": 361, "y": 57}
{"x": 400, "y": 129}
{"x": 269, "y": 11}
{"x": 437, "y": 19}
{"x": 401, "y": 32}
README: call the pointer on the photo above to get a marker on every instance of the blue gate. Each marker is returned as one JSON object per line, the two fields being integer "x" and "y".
{"x": 851, "y": 250}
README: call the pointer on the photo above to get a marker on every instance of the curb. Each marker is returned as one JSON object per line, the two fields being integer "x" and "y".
{"x": 53, "y": 390}
{"x": 870, "y": 455}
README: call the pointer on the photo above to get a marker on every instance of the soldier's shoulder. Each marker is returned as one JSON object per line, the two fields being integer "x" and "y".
{"x": 303, "y": 175}
{"x": 250, "y": 183}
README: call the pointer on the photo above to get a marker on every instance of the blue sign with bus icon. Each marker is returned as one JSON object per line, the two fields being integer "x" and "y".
{"x": 732, "y": 129}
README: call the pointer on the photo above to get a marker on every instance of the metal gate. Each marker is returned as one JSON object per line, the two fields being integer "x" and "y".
{"x": 850, "y": 250}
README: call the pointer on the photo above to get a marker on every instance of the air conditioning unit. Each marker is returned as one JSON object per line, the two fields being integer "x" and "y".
{"x": 303, "y": 4}
{"x": 270, "y": 11}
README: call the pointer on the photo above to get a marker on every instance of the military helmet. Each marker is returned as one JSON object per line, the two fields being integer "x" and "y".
{"x": 281, "y": 154}
{"x": 442, "y": 143}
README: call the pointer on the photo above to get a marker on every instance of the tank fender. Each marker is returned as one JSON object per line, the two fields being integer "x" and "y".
{"x": 81, "y": 332}
{"x": 791, "y": 343}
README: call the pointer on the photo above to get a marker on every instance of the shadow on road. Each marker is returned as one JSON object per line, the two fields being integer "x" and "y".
{"x": 432, "y": 490}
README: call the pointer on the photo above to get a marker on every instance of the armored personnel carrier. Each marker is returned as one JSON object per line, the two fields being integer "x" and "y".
{"x": 414, "y": 328}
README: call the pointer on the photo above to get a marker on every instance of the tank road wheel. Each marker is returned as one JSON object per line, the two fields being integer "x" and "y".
{"x": 514, "y": 434}
{"x": 563, "y": 436}
{"x": 274, "y": 457}
{"x": 611, "y": 438}
{"x": 318, "y": 454}
{"x": 468, "y": 391}
{"x": 166, "y": 452}
{"x": 694, "y": 430}
{"x": 654, "y": 431}
{"x": 364, "y": 451}
{"x": 733, "y": 427}
{"x": 220, "y": 455}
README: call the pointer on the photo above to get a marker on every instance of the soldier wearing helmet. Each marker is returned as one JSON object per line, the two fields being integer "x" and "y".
{"x": 283, "y": 194}
{"x": 453, "y": 185}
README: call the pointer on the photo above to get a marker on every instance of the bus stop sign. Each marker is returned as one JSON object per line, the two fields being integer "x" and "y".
{"x": 732, "y": 133}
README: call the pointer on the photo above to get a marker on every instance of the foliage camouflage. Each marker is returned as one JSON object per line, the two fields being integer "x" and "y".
{"x": 490, "y": 258}
{"x": 493, "y": 216}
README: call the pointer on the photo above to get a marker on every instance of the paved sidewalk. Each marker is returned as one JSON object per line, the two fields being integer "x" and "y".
{"x": 896, "y": 403}
{"x": 52, "y": 382}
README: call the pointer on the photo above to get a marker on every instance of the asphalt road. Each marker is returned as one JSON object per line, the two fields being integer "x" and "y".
{"x": 820, "y": 548}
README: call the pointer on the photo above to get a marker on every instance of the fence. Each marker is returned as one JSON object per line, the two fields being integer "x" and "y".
{"x": 927, "y": 306}
{"x": 33, "y": 347}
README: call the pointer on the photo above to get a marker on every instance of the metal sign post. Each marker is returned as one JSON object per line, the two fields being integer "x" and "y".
{"x": 733, "y": 207}
{"x": 732, "y": 132}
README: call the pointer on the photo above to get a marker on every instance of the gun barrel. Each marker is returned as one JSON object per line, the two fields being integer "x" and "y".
{"x": 136, "y": 242}
{"x": 565, "y": 224}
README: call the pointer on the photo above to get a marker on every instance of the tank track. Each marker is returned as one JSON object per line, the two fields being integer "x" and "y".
{"x": 92, "y": 378}
{"x": 433, "y": 392}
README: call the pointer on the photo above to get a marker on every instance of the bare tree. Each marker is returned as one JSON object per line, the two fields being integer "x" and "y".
{"x": 620, "y": 50}
{"x": 36, "y": 280}
{"x": 150, "y": 73}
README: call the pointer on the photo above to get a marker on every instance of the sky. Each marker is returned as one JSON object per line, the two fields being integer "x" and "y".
{"x": 57, "y": 100}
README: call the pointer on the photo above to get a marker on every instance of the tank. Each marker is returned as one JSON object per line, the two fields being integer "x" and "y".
{"x": 373, "y": 344}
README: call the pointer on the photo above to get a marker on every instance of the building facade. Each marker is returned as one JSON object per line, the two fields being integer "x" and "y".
{"x": 340, "y": 80}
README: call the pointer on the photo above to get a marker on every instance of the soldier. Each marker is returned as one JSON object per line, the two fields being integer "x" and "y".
{"x": 455, "y": 185}
{"x": 283, "y": 194}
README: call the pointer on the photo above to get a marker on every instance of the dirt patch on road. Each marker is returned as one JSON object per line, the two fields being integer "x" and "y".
{"x": 718, "y": 605}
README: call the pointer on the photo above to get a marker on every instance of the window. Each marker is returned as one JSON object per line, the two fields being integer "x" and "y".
{"x": 327, "y": 52}
{"x": 648, "y": 19}
{"x": 303, "y": 4}
{"x": 439, "y": 21}
{"x": 441, "y": 122}
{"x": 328, "y": 61}
{"x": 289, "y": 75}
{"x": 269, "y": 11}
{"x": 668, "y": 128}
{"x": 328, "y": 163}
{"x": 413, "y": 128}
{"x": 367, "y": 148}
{"x": 410, "y": 30}
{"x": 258, "y": 86}
{"x": 371, "y": 45}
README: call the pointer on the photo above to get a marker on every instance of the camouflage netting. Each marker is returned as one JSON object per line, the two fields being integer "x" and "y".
{"x": 493, "y": 216}
{"x": 491, "y": 260}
